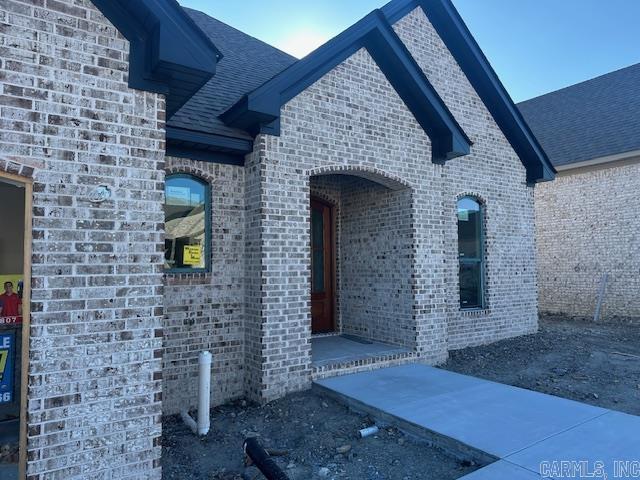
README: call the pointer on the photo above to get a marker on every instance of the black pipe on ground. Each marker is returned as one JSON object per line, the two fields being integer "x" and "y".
{"x": 262, "y": 460}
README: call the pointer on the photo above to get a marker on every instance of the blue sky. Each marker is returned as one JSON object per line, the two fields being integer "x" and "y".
{"x": 536, "y": 46}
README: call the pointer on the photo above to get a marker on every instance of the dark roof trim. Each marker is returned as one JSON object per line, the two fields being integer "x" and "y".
{"x": 459, "y": 40}
{"x": 234, "y": 146}
{"x": 169, "y": 54}
{"x": 206, "y": 147}
{"x": 201, "y": 155}
{"x": 259, "y": 111}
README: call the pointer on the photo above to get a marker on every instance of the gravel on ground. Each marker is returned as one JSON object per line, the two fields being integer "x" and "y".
{"x": 319, "y": 436}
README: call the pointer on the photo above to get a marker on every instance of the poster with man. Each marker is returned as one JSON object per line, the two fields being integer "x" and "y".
{"x": 11, "y": 300}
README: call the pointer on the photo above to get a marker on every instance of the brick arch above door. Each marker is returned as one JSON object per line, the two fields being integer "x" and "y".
{"x": 373, "y": 174}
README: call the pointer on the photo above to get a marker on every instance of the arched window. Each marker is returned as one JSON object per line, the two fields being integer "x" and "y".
{"x": 470, "y": 252}
{"x": 187, "y": 214}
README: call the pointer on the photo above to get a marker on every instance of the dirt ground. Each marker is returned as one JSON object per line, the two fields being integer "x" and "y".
{"x": 592, "y": 363}
{"x": 313, "y": 430}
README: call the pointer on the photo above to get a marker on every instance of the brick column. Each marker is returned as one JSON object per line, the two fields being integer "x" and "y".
{"x": 278, "y": 331}
{"x": 429, "y": 274}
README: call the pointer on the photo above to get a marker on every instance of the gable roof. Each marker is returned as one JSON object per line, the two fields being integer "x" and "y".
{"x": 247, "y": 64}
{"x": 168, "y": 53}
{"x": 458, "y": 39}
{"x": 257, "y": 107}
{"x": 592, "y": 119}
{"x": 259, "y": 111}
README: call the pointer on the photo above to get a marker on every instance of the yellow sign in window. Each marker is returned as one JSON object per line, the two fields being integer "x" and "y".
{"x": 192, "y": 255}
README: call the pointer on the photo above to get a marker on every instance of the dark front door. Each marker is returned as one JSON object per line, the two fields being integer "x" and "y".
{"x": 321, "y": 267}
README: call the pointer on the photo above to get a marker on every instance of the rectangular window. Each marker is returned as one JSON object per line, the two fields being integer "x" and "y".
{"x": 470, "y": 246}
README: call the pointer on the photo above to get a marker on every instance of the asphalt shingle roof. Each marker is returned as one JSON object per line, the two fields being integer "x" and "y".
{"x": 247, "y": 64}
{"x": 589, "y": 120}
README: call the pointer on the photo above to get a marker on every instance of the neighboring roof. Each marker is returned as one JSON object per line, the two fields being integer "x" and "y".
{"x": 255, "y": 79}
{"x": 247, "y": 64}
{"x": 589, "y": 120}
{"x": 169, "y": 54}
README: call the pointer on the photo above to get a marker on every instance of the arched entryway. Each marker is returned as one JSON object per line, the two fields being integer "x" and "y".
{"x": 361, "y": 249}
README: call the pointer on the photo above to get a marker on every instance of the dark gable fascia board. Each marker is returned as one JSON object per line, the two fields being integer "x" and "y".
{"x": 206, "y": 147}
{"x": 259, "y": 111}
{"x": 451, "y": 28}
{"x": 203, "y": 155}
{"x": 169, "y": 54}
{"x": 448, "y": 139}
{"x": 207, "y": 140}
{"x": 397, "y": 9}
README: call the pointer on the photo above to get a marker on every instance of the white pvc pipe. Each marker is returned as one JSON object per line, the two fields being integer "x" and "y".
{"x": 204, "y": 397}
{"x": 190, "y": 422}
{"x": 366, "y": 432}
{"x": 603, "y": 289}
{"x": 204, "y": 393}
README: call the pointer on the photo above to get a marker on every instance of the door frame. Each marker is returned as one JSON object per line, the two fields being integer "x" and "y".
{"x": 332, "y": 259}
{"x": 26, "y": 316}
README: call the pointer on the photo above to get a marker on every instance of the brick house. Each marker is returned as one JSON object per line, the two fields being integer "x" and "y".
{"x": 186, "y": 187}
{"x": 586, "y": 248}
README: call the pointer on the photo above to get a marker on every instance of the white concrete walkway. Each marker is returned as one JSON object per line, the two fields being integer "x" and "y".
{"x": 520, "y": 428}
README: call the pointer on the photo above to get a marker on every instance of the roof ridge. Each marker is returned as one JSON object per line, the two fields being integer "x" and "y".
{"x": 239, "y": 31}
{"x": 581, "y": 83}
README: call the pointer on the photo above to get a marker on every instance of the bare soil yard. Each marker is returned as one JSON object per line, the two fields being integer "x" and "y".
{"x": 592, "y": 363}
{"x": 313, "y": 430}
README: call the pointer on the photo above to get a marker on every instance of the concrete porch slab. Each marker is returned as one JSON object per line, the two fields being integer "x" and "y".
{"x": 341, "y": 348}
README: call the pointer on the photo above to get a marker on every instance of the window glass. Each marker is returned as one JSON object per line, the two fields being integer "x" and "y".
{"x": 470, "y": 285}
{"x": 469, "y": 223}
{"x": 187, "y": 223}
{"x": 470, "y": 239}
{"x": 317, "y": 249}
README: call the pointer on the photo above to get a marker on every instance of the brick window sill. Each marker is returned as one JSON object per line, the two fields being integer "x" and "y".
{"x": 175, "y": 279}
{"x": 475, "y": 312}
